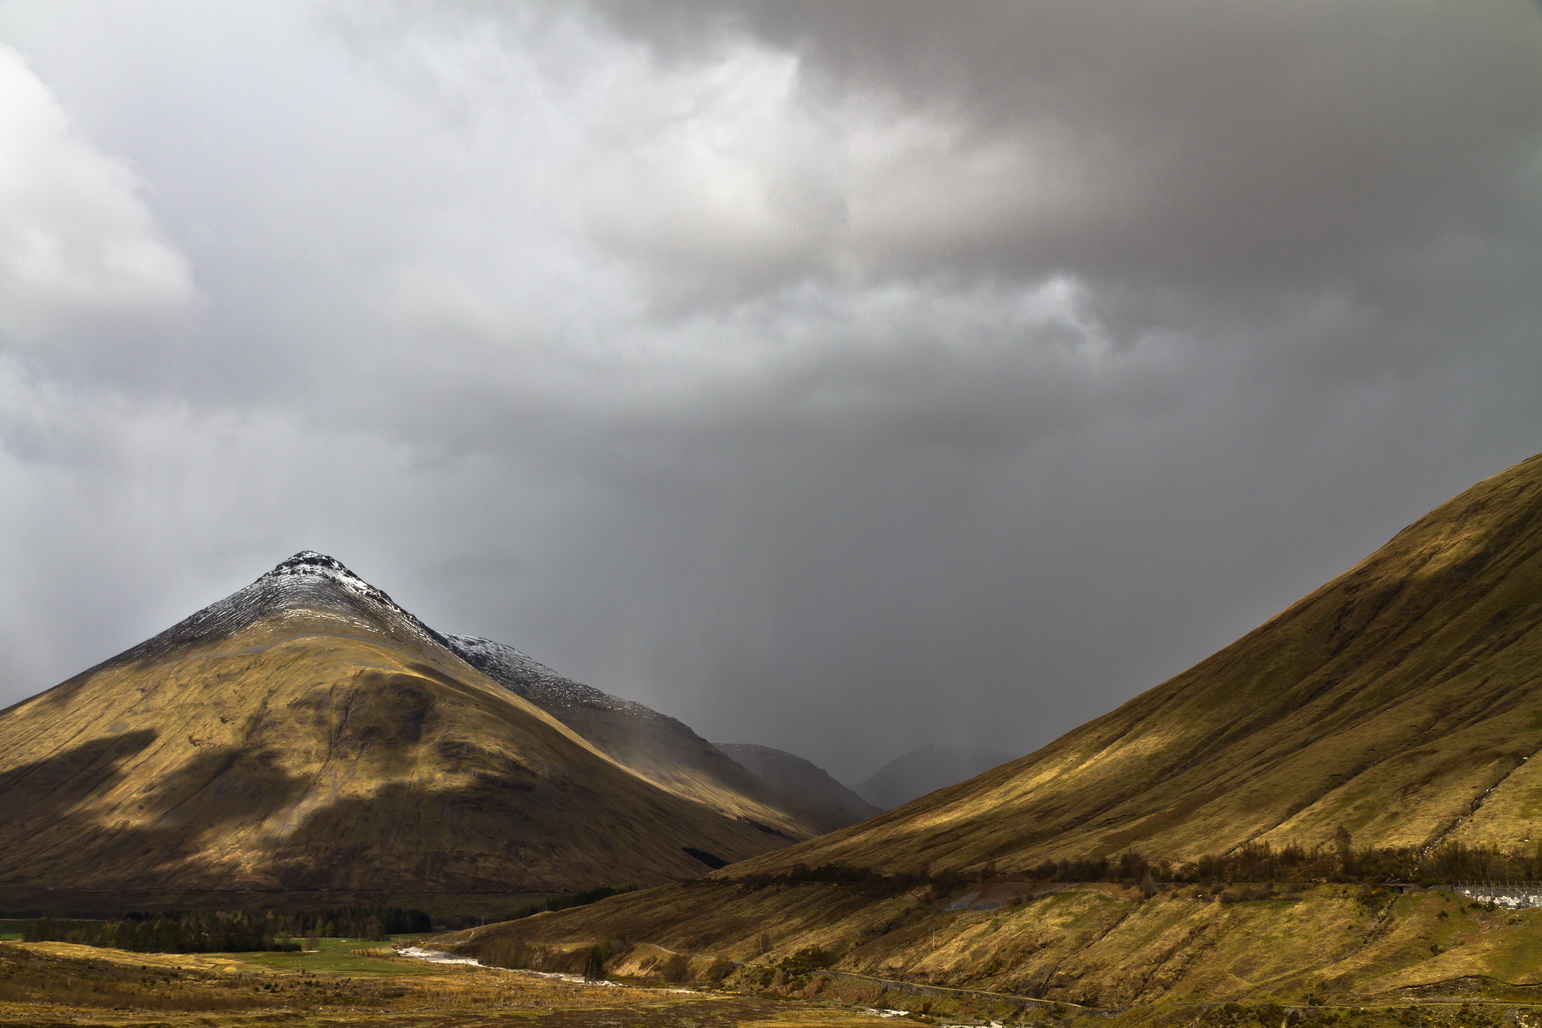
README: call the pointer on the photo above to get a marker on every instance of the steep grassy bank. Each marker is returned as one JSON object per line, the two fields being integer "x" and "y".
{"x": 1096, "y": 945}
{"x": 1398, "y": 703}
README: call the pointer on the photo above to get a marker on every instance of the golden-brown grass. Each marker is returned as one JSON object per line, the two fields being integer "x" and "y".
{"x": 57, "y": 983}
{"x": 307, "y": 754}
{"x": 1094, "y": 945}
{"x": 1396, "y": 702}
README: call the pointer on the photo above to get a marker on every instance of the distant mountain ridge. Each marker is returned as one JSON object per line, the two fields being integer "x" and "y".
{"x": 926, "y": 769}
{"x": 529, "y": 677}
{"x": 662, "y": 749}
{"x": 801, "y": 782}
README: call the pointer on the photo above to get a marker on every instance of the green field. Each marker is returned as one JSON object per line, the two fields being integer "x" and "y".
{"x": 331, "y": 956}
{"x": 338, "y": 956}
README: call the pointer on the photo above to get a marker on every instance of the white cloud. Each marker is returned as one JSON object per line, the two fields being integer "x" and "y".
{"x": 78, "y": 245}
{"x": 730, "y": 170}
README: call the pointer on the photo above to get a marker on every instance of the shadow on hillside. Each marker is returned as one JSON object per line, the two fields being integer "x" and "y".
{"x": 406, "y": 779}
{"x": 37, "y": 791}
{"x": 54, "y": 836}
{"x": 506, "y": 829}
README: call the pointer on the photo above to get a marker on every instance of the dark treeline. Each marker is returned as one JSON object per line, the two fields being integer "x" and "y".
{"x": 353, "y": 922}
{"x": 1449, "y": 864}
{"x": 218, "y": 932}
{"x": 876, "y": 885}
{"x": 572, "y": 899}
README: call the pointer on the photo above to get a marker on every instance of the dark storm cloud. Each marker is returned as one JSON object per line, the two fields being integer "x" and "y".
{"x": 1183, "y": 143}
{"x": 839, "y": 376}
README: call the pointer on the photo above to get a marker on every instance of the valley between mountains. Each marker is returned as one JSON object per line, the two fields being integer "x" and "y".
{"x": 1263, "y": 827}
{"x": 1319, "y": 817}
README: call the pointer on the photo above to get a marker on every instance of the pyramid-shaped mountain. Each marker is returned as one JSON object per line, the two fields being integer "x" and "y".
{"x": 308, "y": 734}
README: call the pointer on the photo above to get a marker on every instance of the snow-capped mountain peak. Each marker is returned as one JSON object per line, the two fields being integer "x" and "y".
{"x": 313, "y": 564}
{"x": 306, "y": 583}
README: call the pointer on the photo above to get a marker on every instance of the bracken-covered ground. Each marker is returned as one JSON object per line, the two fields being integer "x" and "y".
{"x": 345, "y": 985}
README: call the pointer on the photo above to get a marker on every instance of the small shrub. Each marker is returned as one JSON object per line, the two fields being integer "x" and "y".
{"x": 804, "y": 961}
{"x": 504, "y": 951}
{"x": 720, "y": 968}
{"x": 675, "y": 969}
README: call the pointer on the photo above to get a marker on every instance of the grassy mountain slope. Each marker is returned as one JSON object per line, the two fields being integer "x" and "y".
{"x": 1099, "y": 945}
{"x": 1401, "y": 701}
{"x": 926, "y": 769}
{"x": 801, "y": 784}
{"x": 658, "y": 747}
{"x": 308, "y": 734}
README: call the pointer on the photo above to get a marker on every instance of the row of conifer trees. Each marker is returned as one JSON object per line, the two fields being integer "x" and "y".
{"x": 220, "y": 932}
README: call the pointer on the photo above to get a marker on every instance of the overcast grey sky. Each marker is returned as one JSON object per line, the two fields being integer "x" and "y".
{"x": 838, "y": 376}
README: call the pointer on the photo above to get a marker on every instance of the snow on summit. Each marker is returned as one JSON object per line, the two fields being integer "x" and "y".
{"x": 309, "y": 562}
{"x": 315, "y": 585}
{"x": 536, "y": 682}
{"x": 306, "y": 583}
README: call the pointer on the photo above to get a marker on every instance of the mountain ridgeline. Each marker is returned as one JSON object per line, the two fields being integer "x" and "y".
{"x": 658, "y": 747}
{"x": 926, "y": 769}
{"x": 801, "y": 784}
{"x": 308, "y": 735}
